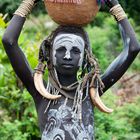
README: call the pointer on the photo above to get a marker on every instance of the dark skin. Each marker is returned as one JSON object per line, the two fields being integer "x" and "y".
{"x": 111, "y": 76}
{"x": 73, "y": 61}
{"x": 113, "y": 73}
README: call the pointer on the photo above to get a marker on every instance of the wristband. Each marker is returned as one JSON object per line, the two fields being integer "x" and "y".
{"x": 118, "y": 12}
{"x": 25, "y": 8}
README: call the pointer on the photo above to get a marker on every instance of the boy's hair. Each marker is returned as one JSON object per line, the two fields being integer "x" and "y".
{"x": 90, "y": 69}
{"x": 46, "y": 46}
{"x": 68, "y": 29}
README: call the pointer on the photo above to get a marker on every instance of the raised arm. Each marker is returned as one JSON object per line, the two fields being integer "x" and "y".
{"x": 15, "y": 54}
{"x": 131, "y": 47}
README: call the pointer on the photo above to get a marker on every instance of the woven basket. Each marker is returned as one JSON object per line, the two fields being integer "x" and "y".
{"x": 72, "y": 14}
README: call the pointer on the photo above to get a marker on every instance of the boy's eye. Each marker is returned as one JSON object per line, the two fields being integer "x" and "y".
{"x": 62, "y": 48}
{"x": 76, "y": 50}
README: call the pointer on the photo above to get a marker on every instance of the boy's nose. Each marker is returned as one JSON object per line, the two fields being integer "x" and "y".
{"x": 67, "y": 55}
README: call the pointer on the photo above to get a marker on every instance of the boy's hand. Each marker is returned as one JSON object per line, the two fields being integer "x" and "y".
{"x": 26, "y": 7}
{"x": 111, "y": 3}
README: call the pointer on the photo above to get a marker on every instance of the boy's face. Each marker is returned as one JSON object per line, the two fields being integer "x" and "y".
{"x": 68, "y": 51}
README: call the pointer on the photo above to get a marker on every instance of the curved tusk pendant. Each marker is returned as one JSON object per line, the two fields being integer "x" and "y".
{"x": 38, "y": 81}
{"x": 98, "y": 103}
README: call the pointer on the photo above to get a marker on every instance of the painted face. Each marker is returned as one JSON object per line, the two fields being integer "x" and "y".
{"x": 68, "y": 51}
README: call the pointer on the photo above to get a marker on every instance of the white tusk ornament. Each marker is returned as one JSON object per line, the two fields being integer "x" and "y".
{"x": 97, "y": 101}
{"x": 38, "y": 81}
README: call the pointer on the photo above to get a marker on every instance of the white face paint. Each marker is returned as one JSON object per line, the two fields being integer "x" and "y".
{"x": 68, "y": 41}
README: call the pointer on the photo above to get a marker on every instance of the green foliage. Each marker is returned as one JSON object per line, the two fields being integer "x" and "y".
{"x": 132, "y": 8}
{"x": 122, "y": 124}
{"x": 18, "y": 118}
{"x": 104, "y": 40}
{"x": 10, "y": 6}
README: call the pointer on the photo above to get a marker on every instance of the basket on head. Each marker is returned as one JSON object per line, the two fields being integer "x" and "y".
{"x": 72, "y": 12}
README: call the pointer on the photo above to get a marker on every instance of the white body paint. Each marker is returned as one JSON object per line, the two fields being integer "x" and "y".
{"x": 68, "y": 41}
{"x": 62, "y": 121}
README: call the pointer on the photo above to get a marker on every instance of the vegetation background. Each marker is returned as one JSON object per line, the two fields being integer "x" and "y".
{"x": 18, "y": 118}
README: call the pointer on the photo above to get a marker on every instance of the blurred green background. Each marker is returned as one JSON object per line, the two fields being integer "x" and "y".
{"x": 18, "y": 119}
